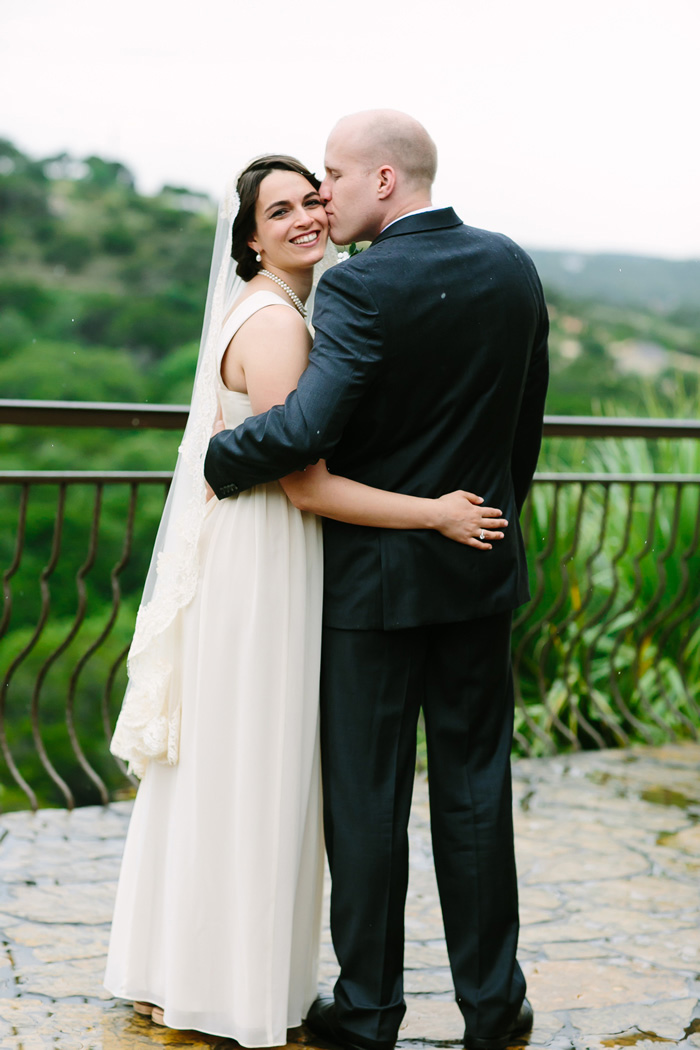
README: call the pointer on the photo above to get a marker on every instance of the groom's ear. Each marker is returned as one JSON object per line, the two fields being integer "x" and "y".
{"x": 386, "y": 181}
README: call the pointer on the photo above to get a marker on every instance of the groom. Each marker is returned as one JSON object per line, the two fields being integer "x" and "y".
{"x": 428, "y": 374}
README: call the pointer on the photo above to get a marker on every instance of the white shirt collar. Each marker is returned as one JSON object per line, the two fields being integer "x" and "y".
{"x": 418, "y": 211}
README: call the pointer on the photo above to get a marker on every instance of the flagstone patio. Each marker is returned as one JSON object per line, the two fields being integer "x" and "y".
{"x": 608, "y": 850}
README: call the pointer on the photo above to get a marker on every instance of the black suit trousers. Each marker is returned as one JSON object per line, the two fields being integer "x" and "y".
{"x": 373, "y": 684}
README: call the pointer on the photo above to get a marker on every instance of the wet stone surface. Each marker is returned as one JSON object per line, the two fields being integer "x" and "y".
{"x": 609, "y": 864}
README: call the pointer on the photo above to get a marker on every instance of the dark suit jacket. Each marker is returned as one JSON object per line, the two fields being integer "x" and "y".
{"x": 428, "y": 373}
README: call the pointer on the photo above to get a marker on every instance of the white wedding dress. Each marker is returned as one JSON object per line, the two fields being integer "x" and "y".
{"x": 217, "y": 913}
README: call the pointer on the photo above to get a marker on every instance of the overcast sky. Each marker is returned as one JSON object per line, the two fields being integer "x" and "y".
{"x": 564, "y": 123}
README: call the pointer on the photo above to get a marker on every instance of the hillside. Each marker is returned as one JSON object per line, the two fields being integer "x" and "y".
{"x": 85, "y": 258}
{"x": 667, "y": 287}
{"x": 102, "y": 294}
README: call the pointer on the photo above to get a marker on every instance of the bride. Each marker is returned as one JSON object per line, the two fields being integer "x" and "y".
{"x": 217, "y": 915}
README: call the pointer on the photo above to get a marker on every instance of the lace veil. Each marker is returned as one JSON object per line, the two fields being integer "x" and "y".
{"x": 148, "y": 727}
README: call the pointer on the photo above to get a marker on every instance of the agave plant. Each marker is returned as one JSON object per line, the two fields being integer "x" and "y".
{"x": 608, "y": 650}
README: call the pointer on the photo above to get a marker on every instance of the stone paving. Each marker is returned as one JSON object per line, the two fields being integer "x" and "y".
{"x": 609, "y": 865}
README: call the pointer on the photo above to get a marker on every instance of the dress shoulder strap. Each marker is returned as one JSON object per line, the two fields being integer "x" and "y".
{"x": 240, "y": 314}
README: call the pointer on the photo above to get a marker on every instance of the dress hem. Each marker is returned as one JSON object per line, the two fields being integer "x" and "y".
{"x": 145, "y": 998}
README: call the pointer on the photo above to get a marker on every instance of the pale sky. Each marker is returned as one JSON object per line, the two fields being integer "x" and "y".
{"x": 563, "y": 123}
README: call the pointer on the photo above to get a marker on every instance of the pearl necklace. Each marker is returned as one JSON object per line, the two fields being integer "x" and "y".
{"x": 290, "y": 292}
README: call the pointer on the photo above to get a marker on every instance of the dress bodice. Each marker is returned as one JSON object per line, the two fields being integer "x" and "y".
{"x": 235, "y": 405}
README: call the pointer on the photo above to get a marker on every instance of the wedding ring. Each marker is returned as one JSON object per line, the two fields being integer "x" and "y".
{"x": 481, "y": 535}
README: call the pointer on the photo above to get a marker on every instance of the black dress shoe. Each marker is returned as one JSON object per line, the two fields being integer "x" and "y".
{"x": 322, "y": 1021}
{"x": 522, "y": 1024}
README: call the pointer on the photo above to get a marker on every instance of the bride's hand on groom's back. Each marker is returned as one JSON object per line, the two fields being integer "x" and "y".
{"x": 464, "y": 518}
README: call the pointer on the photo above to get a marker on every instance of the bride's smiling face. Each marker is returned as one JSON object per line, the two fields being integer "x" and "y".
{"x": 291, "y": 226}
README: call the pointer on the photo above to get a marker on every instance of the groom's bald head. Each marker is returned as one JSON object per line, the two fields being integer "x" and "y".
{"x": 380, "y": 165}
{"x": 387, "y": 136}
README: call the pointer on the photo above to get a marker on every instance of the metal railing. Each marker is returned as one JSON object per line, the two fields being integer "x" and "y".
{"x": 107, "y": 414}
{"x": 67, "y": 547}
{"x": 607, "y": 652}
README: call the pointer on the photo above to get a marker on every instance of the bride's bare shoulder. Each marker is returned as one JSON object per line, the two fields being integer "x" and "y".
{"x": 274, "y": 319}
{"x": 258, "y": 302}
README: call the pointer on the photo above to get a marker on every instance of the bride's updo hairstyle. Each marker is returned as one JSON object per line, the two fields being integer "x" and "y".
{"x": 247, "y": 188}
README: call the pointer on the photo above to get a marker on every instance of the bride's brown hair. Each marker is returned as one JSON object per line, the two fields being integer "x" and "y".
{"x": 247, "y": 188}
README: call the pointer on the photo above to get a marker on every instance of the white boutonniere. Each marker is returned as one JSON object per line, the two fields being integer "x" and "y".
{"x": 352, "y": 249}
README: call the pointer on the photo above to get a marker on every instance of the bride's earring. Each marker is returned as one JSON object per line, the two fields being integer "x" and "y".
{"x": 258, "y": 257}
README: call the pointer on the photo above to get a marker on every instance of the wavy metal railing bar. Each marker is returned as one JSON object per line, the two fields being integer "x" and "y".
{"x": 79, "y": 617}
{"x": 7, "y": 596}
{"x": 586, "y": 597}
{"x": 619, "y": 619}
{"x": 116, "y": 599}
{"x": 647, "y": 637}
{"x": 533, "y": 630}
{"x": 612, "y": 724}
{"x": 652, "y": 604}
{"x": 106, "y": 697}
{"x": 43, "y": 616}
{"x": 688, "y": 615}
{"x": 14, "y": 565}
{"x": 665, "y": 615}
{"x": 557, "y": 628}
{"x": 115, "y": 573}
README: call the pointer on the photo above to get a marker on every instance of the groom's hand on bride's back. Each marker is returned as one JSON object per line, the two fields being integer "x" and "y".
{"x": 464, "y": 518}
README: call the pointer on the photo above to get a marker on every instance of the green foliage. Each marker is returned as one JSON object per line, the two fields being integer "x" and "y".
{"x": 608, "y": 649}
{"x": 154, "y": 325}
{"x": 30, "y": 301}
{"x": 172, "y": 382}
{"x": 71, "y": 372}
{"x": 72, "y": 251}
{"x": 605, "y": 354}
{"x": 85, "y": 258}
{"x": 104, "y": 174}
{"x": 116, "y": 240}
{"x": 15, "y": 331}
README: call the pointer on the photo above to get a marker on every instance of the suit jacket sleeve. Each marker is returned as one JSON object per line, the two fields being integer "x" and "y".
{"x": 528, "y": 432}
{"x": 343, "y": 362}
